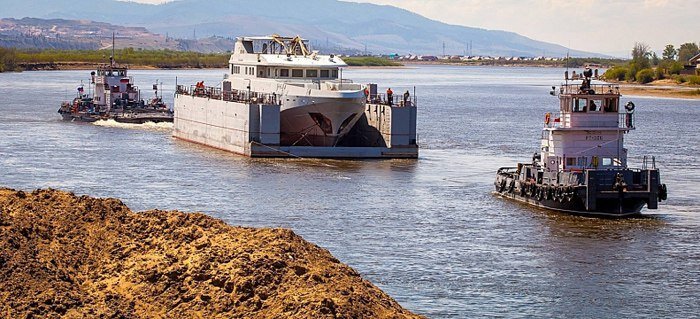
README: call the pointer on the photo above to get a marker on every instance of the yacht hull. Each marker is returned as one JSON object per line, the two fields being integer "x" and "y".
{"x": 318, "y": 121}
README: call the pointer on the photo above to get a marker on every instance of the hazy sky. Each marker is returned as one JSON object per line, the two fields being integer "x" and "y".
{"x": 605, "y": 26}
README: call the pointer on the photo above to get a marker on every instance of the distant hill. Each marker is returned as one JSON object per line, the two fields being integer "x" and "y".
{"x": 34, "y": 33}
{"x": 328, "y": 24}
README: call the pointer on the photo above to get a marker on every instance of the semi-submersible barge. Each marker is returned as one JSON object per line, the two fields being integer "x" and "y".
{"x": 582, "y": 165}
{"x": 281, "y": 100}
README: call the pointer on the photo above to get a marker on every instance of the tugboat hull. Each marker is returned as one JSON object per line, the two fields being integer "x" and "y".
{"x": 628, "y": 208}
{"x": 609, "y": 193}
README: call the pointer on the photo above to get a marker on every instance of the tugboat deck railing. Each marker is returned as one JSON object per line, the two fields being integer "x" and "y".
{"x": 576, "y": 89}
{"x": 625, "y": 121}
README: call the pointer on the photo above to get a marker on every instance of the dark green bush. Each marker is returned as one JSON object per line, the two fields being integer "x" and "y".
{"x": 645, "y": 76}
{"x": 694, "y": 79}
{"x": 615, "y": 73}
{"x": 678, "y": 78}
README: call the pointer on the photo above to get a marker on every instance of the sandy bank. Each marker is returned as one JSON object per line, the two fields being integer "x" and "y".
{"x": 658, "y": 91}
{"x": 74, "y": 256}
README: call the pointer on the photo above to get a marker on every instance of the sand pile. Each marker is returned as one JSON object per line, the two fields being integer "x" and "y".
{"x": 81, "y": 257}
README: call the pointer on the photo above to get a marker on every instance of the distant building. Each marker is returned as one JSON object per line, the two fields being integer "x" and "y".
{"x": 427, "y": 58}
{"x": 695, "y": 61}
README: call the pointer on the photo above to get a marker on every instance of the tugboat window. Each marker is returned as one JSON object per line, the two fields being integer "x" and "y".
{"x": 580, "y": 105}
{"x": 297, "y": 73}
{"x": 612, "y": 105}
{"x": 284, "y": 73}
{"x": 595, "y": 105}
{"x": 311, "y": 73}
{"x": 325, "y": 73}
{"x": 334, "y": 73}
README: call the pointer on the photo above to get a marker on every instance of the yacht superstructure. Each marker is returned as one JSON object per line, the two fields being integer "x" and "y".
{"x": 317, "y": 106}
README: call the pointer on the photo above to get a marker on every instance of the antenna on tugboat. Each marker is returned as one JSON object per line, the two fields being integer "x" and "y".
{"x": 111, "y": 59}
{"x": 567, "y": 67}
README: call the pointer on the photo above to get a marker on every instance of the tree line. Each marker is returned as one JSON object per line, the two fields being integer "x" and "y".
{"x": 646, "y": 66}
{"x": 18, "y": 60}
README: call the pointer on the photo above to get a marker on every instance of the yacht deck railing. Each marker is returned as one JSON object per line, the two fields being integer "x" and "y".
{"x": 216, "y": 93}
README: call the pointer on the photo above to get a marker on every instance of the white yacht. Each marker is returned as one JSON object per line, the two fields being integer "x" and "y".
{"x": 317, "y": 106}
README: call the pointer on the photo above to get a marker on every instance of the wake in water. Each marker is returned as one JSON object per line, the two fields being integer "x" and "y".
{"x": 151, "y": 126}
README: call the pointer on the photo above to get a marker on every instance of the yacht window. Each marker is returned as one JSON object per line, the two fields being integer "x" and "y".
{"x": 571, "y": 161}
{"x": 311, "y": 73}
{"x": 284, "y": 73}
{"x": 582, "y": 161}
{"x": 616, "y": 162}
{"x": 297, "y": 73}
{"x": 325, "y": 73}
{"x": 580, "y": 105}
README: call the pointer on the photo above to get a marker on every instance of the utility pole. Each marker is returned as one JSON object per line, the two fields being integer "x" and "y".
{"x": 443, "y": 48}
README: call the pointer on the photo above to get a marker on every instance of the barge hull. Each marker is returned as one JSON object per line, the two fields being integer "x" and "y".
{"x": 253, "y": 129}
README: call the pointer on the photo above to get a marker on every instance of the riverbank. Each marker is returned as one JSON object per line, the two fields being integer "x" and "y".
{"x": 661, "y": 88}
{"x": 63, "y": 255}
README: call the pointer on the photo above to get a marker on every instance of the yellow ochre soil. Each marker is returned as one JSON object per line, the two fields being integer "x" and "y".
{"x": 67, "y": 256}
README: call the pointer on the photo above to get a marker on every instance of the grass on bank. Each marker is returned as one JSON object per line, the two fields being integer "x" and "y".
{"x": 18, "y": 60}
{"x": 369, "y": 61}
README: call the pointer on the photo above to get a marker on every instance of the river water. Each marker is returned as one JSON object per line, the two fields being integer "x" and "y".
{"x": 426, "y": 231}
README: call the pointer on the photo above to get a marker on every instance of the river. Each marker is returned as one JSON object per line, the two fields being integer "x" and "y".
{"x": 426, "y": 231}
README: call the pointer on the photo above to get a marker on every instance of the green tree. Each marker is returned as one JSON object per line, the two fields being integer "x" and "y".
{"x": 640, "y": 55}
{"x": 669, "y": 52}
{"x": 675, "y": 68}
{"x": 687, "y": 51}
{"x": 654, "y": 59}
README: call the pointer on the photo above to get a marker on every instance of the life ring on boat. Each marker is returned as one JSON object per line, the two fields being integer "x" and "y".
{"x": 547, "y": 118}
{"x": 629, "y": 106}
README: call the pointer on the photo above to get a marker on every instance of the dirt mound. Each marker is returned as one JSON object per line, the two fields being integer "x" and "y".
{"x": 81, "y": 257}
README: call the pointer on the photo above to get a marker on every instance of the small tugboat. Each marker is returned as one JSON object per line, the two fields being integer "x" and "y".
{"x": 114, "y": 97}
{"x": 582, "y": 165}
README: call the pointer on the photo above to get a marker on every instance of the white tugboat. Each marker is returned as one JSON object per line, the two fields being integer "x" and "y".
{"x": 317, "y": 106}
{"x": 582, "y": 165}
{"x": 114, "y": 96}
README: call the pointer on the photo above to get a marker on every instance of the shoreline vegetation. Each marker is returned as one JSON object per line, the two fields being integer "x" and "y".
{"x": 666, "y": 76}
{"x": 669, "y": 85}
